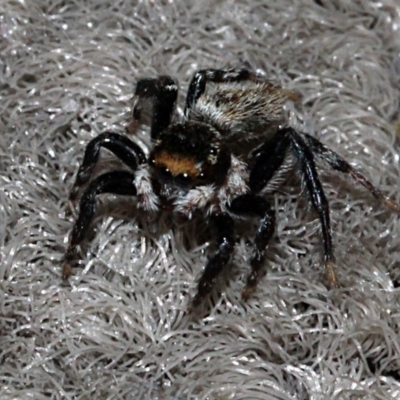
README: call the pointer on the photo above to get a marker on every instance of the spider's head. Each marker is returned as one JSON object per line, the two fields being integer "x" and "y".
{"x": 190, "y": 154}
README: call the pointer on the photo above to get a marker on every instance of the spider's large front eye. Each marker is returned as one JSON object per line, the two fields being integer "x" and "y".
{"x": 164, "y": 173}
{"x": 183, "y": 180}
{"x": 175, "y": 168}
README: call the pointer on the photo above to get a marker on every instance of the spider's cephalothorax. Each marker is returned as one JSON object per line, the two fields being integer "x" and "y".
{"x": 202, "y": 164}
{"x": 190, "y": 154}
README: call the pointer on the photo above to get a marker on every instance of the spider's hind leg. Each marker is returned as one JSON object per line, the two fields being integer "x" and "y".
{"x": 118, "y": 182}
{"x": 340, "y": 164}
{"x": 317, "y": 197}
{"x": 269, "y": 158}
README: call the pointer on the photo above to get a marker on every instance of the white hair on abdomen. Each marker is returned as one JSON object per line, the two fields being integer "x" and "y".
{"x": 243, "y": 110}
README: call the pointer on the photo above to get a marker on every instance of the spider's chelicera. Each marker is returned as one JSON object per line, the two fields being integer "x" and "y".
{"x": 202, "y": 163}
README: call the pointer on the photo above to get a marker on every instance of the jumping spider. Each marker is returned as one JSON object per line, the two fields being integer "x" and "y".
{"x": 201, "y": 164}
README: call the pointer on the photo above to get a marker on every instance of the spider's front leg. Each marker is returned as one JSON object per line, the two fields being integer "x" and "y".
{"x": 224, "y": 229}
{"x": 126, "y": 150}
{"x": 163, "y": 91}
{"x": 118, "y": 182}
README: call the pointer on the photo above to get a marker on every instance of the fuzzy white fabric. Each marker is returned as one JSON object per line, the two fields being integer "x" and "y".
{"x": 120, "y": 329}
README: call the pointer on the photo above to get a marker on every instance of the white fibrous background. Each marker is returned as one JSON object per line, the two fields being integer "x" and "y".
{"x": 120, "y": 328}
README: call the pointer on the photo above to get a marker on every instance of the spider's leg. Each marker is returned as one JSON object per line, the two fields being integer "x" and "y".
{"x": 252, "y": 205}
{"x": 268, "y": 159}
{"x": 339, "y": 164}
{"x": 317, "y": 197}
{"x": 198, "y": 83}
{"x": 224, "y": 228}
{"x": 117, "y": 182}
{"x": 163, "y": 91}
{"x": 126, "y": 150}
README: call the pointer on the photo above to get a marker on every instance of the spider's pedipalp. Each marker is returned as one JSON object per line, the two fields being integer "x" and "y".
{"x": 147, "y": 198}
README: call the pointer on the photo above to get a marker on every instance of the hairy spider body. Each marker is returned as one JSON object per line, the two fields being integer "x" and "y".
{"x": 242, "y": 111}
{"x": 199, "y": 164}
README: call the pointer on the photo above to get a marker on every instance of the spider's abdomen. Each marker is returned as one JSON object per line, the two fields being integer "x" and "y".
{"x": 243, "y": 110}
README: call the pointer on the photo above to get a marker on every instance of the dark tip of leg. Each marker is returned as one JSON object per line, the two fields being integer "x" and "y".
{"x": 392, "y": 205}
{"x": 203, "y": 290}
{"x": 246, "y": 293}
{"x": 330, "y": 268}
{"x": 68, "y": 259}
{"x": 67, "y": 270}
{"x": 194, "y": 304}
{"x": 251, "y": 285}
{"x": 73, "y": 196}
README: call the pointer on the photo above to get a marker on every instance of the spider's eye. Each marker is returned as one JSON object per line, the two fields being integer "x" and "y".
{"x": 183, "y": 179}
{"x": 213, "y": 155}
{"x": 165, "y": 173}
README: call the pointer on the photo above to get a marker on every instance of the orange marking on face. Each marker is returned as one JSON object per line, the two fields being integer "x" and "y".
{"x": 177, "y": 164}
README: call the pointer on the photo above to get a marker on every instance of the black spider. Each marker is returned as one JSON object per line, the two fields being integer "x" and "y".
{"x": 201, "y": 163}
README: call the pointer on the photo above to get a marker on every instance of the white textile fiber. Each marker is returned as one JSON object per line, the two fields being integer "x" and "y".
{"x": 119, "y": 329}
